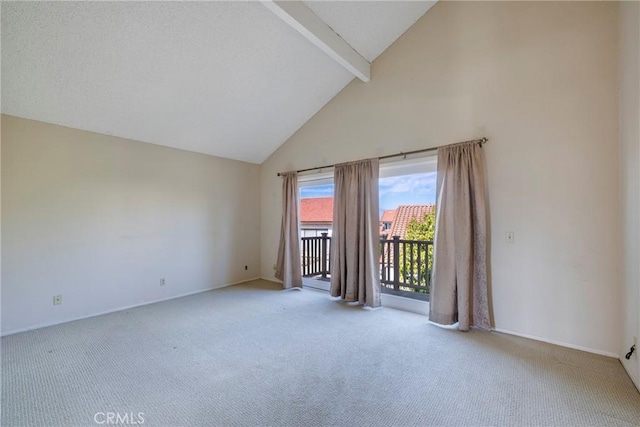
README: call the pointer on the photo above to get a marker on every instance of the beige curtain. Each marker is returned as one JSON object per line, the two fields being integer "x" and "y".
{"x": 355, "y": 271}
{"x": 288, "y": 267}
{"x": 459, "y": 285}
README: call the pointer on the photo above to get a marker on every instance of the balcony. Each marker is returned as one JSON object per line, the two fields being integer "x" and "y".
{"x": 405, "y": 265}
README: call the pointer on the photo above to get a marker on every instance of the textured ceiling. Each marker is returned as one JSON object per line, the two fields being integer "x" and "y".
{"x": 370, "y": 27}
{"x": 223, "y": 78}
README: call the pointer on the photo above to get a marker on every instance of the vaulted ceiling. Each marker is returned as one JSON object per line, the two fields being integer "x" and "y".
{"x": 230, "y": 79}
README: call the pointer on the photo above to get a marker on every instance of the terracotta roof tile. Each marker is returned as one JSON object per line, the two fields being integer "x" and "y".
{"x": 320, "y": 209}
{"x": 404, "y": 215}
{"x": 387, "y": 216}
{"x": 316, "y": 209}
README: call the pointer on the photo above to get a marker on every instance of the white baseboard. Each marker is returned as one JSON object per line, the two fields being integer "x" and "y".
{"x": 316, "y": 284}
{"x": 186, "y": 294}
{"x": 560, "y": 343}
{"x": 387, "y": 300}
{"x": 239, "y": 282}
{"x": 271, "y": 279}
{"x": 306, "y": 283}
{"x": 406, "y": 304}
{"x": 635, "y": 381}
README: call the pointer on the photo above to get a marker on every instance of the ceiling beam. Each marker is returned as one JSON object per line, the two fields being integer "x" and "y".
{"x": 307, "y": 23}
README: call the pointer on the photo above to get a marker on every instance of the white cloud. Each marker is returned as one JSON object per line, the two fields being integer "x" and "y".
{"x": 405, "y": 185}
{"x": 317, "y": 191}
{"x": 417, "y": 184}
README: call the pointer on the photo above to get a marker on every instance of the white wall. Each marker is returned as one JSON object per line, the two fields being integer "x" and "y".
{"x": 99, "y": 220}
{"x": 630, "y": 180}
{"x": 0, "y": 229}
{"x": 539, "y": 79}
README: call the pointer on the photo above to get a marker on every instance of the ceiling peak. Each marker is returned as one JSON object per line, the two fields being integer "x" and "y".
{"x": 302, "y": 19}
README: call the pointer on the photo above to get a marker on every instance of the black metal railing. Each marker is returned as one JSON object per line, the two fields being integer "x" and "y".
{"x": 405, "y": 265}
{"x": 315, "y": 255}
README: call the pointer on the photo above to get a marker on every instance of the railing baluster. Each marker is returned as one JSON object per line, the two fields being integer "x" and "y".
{"x": 396, "y": 262}
{"x": 419, "y": 263}
{"x": 329, "y": 255}
{"x": 323, "y": 255}
{"x": 422, "y": 270}
{"x": 387, "y": 258}
{"x": 412, "y": 265}
{"x": 423, "y": 265}
{"x": 311, "y": 256}
{"x": 381, "y": 256}
{"x": 304, "y": 257}
{"x": 428, "y": 258}
{"x": 404, "y": 260}
{"x": 320, "y": 263}
{"x": 306, "y": 267}
{"x": 310, "y": 251}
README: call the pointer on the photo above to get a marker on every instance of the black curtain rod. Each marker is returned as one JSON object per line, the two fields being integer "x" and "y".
{"x": 389, "y": 156}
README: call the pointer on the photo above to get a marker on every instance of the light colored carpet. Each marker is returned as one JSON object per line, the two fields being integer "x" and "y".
{"x": 251, "y": 355}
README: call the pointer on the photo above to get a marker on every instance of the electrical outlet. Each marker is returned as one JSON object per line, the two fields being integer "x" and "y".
{"x": 162, "y": 282}
{"x": 57, "y": 299}
{"x": 509, "y": 237}
{"x": 275, "y": 267}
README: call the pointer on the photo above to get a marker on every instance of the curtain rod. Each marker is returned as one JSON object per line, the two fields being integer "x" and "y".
{"x": 480, "y": 141}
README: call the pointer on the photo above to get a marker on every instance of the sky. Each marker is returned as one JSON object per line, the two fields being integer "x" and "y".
{"x": 417, "y": 189}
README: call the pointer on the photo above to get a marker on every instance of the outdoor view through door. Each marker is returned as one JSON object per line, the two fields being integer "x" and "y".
{"x": 407, "y": 226}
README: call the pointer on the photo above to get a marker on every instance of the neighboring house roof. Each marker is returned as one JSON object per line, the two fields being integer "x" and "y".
{"x": 316, "y": 210}
{"x": 404, "y": 215}
{"x": 388, "y": 216}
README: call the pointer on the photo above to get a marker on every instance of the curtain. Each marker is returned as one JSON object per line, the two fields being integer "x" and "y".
{"x": 459, "y": 285}
{"x": 355, "y": 253}
{"x": 288, "y": 267}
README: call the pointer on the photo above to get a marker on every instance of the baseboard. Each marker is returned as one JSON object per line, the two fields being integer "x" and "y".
{"x": 128, "y": 307}
{"x": 239, "y": 282}
{"x": 624, "y": 366}
{"x": 320, "y": 285}
{"x": 560, "y": 343}
{"x": 405, "y": 304}
{"x": 387, "y": 300}
{"x": 271, "y": 279}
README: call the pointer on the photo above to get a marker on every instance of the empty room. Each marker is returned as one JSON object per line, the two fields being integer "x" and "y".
{"x": 320, "y": 213}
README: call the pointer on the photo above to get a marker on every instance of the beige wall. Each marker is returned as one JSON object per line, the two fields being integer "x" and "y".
{"x": 539, "y": 79}
{"x": 99, "y": 220}
{"x": 630, "y": 180}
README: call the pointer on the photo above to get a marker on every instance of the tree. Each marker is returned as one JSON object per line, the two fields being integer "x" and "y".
{"x": 416, "y": 266}
{"x": 424, "y": 229}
